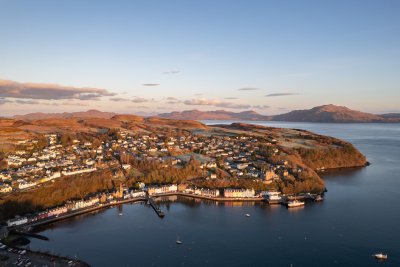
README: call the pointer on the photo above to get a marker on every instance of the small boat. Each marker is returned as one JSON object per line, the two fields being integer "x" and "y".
{"x": 380, "y": 256}
{"x": 318, "y": 198}
{"x": 120, "y": 214}
{"x": 178, "y": 242}
{"x": 295, "y": 203}
{"x": 247, "y": 215}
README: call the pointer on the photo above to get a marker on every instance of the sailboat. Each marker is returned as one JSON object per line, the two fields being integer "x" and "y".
{"x": 178, "y": 241}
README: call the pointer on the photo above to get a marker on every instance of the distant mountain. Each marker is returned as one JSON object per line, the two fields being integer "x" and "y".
{"x": 66, "y": 115}
{"x": 214, "y": 115}
{"x": 391, "y": 115}
{"x": 326, "y": 113}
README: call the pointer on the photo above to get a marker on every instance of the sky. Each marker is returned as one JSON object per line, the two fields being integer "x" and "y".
{"x": 150, "y": 57}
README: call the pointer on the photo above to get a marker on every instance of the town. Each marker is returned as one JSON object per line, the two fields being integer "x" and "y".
{"x": 213, "y": 156}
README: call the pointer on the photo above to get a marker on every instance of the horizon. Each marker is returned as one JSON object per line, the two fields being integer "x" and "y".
{"x": 143, "y": 114}
{"x": 135, "y": 58}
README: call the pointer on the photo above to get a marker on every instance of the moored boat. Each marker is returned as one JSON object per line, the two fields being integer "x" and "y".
{"x": 273, "y": 197}
{"x": 295, "y": 203}
{"x": 318, "y": 198}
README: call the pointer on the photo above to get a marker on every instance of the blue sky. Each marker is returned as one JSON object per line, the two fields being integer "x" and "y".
{"x": 198, "y": 55}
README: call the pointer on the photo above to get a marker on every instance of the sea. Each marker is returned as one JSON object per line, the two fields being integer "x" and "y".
{"x": 360, "y": 216}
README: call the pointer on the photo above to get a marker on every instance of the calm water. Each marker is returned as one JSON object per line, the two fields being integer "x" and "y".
{"x": 360, "y": 216}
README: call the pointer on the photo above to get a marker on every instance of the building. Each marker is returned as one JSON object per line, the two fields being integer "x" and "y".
{"x": 239, "y": 193}
{"x": 5, "y": 188}
{"x": 17, "y": 221}
{"x": 25, "y": 185}
{"x": 270, "y": 175}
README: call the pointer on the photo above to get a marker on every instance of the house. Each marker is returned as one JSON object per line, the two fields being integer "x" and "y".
{"x": 5, "y": 188}
{"x": 24, "y": 185}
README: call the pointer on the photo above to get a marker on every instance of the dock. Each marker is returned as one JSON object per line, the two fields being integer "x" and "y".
{"x": 156, "y": 207}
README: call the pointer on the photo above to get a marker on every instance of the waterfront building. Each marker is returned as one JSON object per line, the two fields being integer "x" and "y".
{"x": 239, "y": 193}
{"x": 17, "y": 221}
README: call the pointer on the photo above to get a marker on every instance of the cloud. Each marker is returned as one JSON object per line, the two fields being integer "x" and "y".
{"x": 202, "y": 102}
{"x": 150, "y": 84}
{"x": 75, "y": 104}
{"x": 233, "y": 106}
{"x": 214, "y": 102}
{"x": 5, "y": 101}
{"x": 119, "y": 99}
{"x": 231, "y": 98}
{"x": 173, "y": 100}
{"x": 261, "y": 106}
{"x": 280, "y": 94}
{"x": 49, "y": 91}
{"x": 139, "y": 100}
{"x": 249, "y": 89}
{"x": 172, "y": 72}
{"x": 27, "y": 102}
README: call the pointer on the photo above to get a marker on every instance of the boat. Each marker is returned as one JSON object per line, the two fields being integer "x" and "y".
{"x": 247, "y": 215}
{"x": 273, "y": 197}
{"x": 178, "y": 242}
{"x": 120, "y": 214}
{"x": 295, "y": 203}
{"x": 380, "y": 256}
{"x": 318, "y": 198}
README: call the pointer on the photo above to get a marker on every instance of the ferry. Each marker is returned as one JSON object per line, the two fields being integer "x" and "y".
{"x": 380, "y": 256}
{"x": 273, "y": 197}
{"x": 295, "y": 203}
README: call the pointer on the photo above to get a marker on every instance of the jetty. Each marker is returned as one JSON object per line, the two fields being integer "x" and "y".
{"x": 156, "y": 207}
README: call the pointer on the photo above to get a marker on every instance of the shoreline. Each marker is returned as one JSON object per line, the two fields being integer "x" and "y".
{"x": 131, "y": 200}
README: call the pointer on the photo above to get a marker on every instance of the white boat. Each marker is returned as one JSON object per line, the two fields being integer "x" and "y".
{"x": 273, "y": 197}
{"x": 178, "y": 242}
{"x": 295, "y": 203}
{"x": 247, "y": 215}
{"x": 380, "y": 256}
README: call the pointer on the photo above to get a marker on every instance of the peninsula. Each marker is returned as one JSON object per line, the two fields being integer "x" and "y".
{"x": 49, "y": 162}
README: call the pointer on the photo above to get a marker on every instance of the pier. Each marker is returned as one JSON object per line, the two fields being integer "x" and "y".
{"x": 27, "y": 234}
{"x": 156, "y": 207}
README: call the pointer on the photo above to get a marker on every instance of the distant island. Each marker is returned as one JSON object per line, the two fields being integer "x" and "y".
{"x": 326, "y": 113}
{"x": 48, "y": 162}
